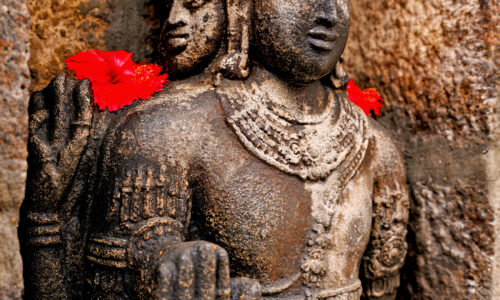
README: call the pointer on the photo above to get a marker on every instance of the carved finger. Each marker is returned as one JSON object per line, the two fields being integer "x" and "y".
{"x": 37, "y": 102}
{"x": 245, "y": 288}
{"x": 40, "y": 150}
{"x": 38, "y": 114}
{"x": 185, "y": 278}
{"x": 37, "y": 119}
{"x": 71, "y": 154}
{"x": 223, "y": 285}
{"x": 166, "y": 277}
{"x": 83, "y": 109}
{"x": 62, "y": 87}
{"x": 207, "y": 264}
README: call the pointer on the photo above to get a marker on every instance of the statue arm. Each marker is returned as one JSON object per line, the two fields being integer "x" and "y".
{"x": 59, "y": 121}
{"x": 386, "y": 251}
{"x": 143, "y": 210}
{"x": 141, "y": 216}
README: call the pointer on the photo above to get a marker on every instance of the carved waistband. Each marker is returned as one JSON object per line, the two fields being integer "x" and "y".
{"x": 350, "y": 292}
{"x": 112, "y": 252}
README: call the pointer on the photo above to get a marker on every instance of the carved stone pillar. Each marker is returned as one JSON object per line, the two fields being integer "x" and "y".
{"x": 14, "y": 83}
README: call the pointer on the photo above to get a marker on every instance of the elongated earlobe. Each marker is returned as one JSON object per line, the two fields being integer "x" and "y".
{"x": 339, "y": 77}
{"x": 235, "y": 64}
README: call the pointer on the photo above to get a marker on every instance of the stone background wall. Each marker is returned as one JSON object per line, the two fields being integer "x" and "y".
{"x": 14, "y": 83}
{"x": 64, "y": 27}
{"x": 434, "y": 61}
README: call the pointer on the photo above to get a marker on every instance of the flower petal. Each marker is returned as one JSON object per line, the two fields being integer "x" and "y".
{"x": 116, "y": 80}
{"x": 368, "y": 99}
{"x": 116, "y": 59}
{"x": 89, "y": 64}
{"x": 114, "y": 96}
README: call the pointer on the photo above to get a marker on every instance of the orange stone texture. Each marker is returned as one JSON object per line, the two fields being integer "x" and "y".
{"x": 14, "y": 83}
{"x": 435, "y": 63}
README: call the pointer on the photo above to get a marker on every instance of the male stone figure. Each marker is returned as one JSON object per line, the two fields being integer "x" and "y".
{"x": 51, "y": 223}
{"x": 294, "y": 189}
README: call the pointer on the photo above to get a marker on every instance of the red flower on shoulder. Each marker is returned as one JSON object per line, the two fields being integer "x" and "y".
{"x": 116, "y": 80}
{"x": 367, "y": 99}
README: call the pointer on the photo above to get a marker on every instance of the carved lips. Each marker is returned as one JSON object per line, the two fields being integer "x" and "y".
{"x": 322, "y": 39}
{"x": 177, "y": 39}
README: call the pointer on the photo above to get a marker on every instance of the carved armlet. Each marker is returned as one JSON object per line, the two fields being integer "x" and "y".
{"x": 43, "y": 229}
{"x": 138, "y": 244}
{"x": 147, "y": 210}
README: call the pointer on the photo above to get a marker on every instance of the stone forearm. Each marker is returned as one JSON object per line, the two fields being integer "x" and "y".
{"x": 387, "y": 249}
{"x": 42, "y": 250}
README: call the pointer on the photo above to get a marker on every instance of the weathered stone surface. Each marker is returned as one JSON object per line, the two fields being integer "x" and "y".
{"x": 60, "y": 29}
{"x": 14, "y": 82}
{"x": 434, "y": 63}
{"x": 452, "y": 221}
{"x": 493, "y": 161}
{"x": 434, "y": 59}
{"x": 64, "y": 27}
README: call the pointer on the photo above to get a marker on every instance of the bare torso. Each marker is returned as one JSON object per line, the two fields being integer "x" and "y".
{"x": 216, "y": 190}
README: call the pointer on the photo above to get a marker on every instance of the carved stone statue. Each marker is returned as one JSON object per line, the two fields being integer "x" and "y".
{"x": 251, "y": 177}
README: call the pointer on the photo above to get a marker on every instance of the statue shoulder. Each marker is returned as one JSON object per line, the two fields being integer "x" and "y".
{"x": 168, "y": 121}
{"x": 387, "y": 155}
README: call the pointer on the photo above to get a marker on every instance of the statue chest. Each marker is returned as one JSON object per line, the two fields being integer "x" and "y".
{"x": 260, "y": 215}
{"x": 264, "y": 217}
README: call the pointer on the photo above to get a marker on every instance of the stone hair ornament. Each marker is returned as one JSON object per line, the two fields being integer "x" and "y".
{"x": 235, "y": 64}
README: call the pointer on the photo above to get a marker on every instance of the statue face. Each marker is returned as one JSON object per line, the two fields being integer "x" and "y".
{"x": 300, "y": 40}
{"x": 191, "y": 34}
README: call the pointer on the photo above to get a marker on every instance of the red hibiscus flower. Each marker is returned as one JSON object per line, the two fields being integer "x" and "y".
{"x": 368, "y": 99}
{"x": 116, "y": 80}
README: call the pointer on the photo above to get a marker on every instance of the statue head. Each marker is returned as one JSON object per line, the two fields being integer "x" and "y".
{"x": 191, "y": 34}
{"x": 300, "y": 40}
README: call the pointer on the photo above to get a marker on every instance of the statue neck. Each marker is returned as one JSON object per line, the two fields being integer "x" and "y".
{"x": 303, "y": 101}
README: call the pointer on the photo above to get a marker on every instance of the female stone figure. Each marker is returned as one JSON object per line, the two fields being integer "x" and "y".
{"x": 276, "y": 181}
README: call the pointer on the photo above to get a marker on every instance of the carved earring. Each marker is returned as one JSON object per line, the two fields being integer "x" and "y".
{"x": 339, "y": 76}
{"x": 235, "y": 64}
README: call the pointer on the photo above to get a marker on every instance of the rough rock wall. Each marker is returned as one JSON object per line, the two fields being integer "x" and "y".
{"x": 14, "y": 83}
{"x": 494, "y": 193}
{"x": 60, "y": 28}
{"x": 435, "y": 63}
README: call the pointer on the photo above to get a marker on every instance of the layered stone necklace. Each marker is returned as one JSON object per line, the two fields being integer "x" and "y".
{"x": 308, "y": 146}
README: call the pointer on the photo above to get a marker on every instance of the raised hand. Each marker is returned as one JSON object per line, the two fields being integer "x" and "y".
{"x": 59, "y": 126}
{"x": 194, "y": 270}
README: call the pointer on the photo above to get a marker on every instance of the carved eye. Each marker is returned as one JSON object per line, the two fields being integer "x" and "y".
{"x": 194, "y": 3}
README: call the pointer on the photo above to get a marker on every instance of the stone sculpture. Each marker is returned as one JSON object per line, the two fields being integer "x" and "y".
{"x": 253, "y": 177}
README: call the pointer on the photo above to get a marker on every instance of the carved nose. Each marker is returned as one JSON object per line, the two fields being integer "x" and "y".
{"x": 327, "y": 13}
{"x": 178, "y": 14}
